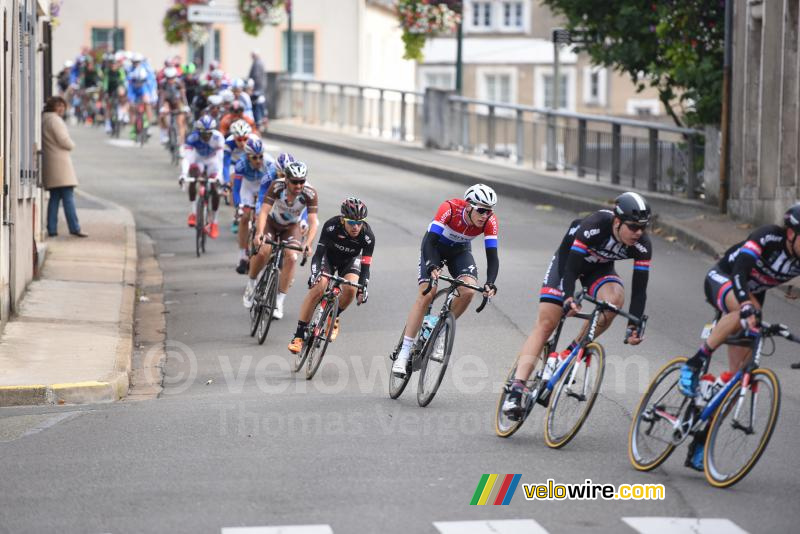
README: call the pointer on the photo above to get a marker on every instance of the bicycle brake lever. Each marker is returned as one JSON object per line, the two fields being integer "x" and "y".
{"x": 483, "y": 304}
{"x": 428, "y": 290}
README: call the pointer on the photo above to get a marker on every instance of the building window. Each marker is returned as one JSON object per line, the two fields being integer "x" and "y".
{"x": 594, "y": 86}
{"x": 498, "y": 88}
{"x": 482, "y": 14}
{"x": 197, "y": 54}
{"x": 102, "y": 39}
{"x": 438, "y": 80}
{"x": 302, "y": 53}
{"x": 643, "y": 107}
{"x": 562, "y": 90}
{"x": 543, "y": 88}
{"x": 513, "y": 15}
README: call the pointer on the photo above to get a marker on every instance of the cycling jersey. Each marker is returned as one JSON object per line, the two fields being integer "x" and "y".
{"x": 344, "y": 254}
{"x": 114, "y": 79}
{"x": 285, "y": 213}
{"x": 214, "y": 146}
{"x": 252, "y": 179}
{"x": 449, "y": 236}
{"x": 588, "y": 252}
{"x": 758, "y": 263}
{"x": 230, "y": 118}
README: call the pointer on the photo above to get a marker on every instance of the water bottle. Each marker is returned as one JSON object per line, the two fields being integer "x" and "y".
{"x": 550, "y": 366}
{"x": 428, "y": 324}
{"x": 705, "y": 389}
{"x": 719, "y": 383}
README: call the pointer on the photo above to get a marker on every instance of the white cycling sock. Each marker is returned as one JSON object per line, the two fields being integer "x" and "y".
{"x": 279, "y": 299}
{"x": 242, "y": 253}
{"x": 251, "y": 283}
{"x": 405, "y": 349}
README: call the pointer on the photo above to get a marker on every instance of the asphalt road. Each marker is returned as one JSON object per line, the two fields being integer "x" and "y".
{"x": 237, "y": 440}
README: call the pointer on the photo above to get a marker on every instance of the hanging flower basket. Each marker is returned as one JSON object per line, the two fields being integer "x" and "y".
{"x": 256, "y": 13}
{"x": 178, "y": 29}
{"x": 55, "y": 10}
{"x": 421, "y": 19}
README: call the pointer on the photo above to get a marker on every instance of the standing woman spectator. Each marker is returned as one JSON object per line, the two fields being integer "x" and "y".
{"x": 58, "y": 175}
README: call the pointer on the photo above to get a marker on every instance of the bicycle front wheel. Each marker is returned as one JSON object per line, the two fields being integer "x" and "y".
{"x": 396, "y": 383}
{"x": 741, "y": 429}
{"x": 650, "y": 438}
{"x": 574, "y": 396}
{"x": 435, "y": 358}
{"x": 504, "y": 426}
{"x": 320, "y": 337}
{"x": 200, "y": 227}
{"x": 269, "y": 296}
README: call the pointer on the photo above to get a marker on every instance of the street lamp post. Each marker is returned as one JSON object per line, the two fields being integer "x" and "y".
{"x": 459, "y": 60}
{"x": 289, "y": 39}
{"x": 559, "y": 36}
{"x": 116, "y": 26}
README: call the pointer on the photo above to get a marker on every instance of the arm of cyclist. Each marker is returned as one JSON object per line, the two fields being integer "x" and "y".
{"x": 639, "y": 281}
{"x": 313, "y": 223}
{"x": 366, "y": 261}
{"x": 431, "y": 259}
{"x": 319, "y": 254}
{"x": 744, "y": 263}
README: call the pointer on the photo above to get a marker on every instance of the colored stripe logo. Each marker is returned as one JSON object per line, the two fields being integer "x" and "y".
{"x": 495, "y": 489}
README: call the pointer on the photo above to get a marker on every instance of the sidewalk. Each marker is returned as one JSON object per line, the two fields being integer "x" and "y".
{"x": 71, "y": 339}
{"x": 697, "y": 225}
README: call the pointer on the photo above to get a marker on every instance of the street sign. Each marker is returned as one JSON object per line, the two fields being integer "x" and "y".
{"x": 212, "y": 14}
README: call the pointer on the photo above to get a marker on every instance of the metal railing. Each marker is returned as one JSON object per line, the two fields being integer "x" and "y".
{"x": 636, "y": 154}
{"x": 376, "y": 111}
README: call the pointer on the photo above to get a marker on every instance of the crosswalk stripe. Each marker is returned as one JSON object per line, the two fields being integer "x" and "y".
{"x": 500, "y": 526}
{"x": 683, "y": 525}
{"x": 288, "y": 529}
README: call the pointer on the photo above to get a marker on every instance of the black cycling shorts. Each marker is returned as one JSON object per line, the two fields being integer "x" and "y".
{"x": 717, "y": 286}
{"x": 592, "y": 277}
{"x": 459, "y": 263}
{"x": 348, "y": 266}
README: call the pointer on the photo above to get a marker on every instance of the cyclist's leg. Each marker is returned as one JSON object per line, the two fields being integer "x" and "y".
{"x": 291, "y": 235}
{"x": 463, "y": 267}
{"x": 351, "y": 270}
{"x": 547, "y": 319}
{"x": 420, "y": 306}
{"x": 604, "y": 284}
{"x": 244, "y": 229}
{"x": 163, "y": 113}
{"x": 259, "y": 259}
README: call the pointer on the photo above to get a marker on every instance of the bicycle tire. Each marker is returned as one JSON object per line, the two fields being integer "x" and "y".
{"x": 318, "y": 344}
{"x": 643, "y": 414}
{"x": 596, "y": 362}
{"x": 204, "y": 233}
{"x": 766, "y": 380}
{"x": 429, "y": 377}
{"x": 270, "y": 297}
{"x": 199, "y": 226}
{"x": 255, "y": 317}
{"x": 396, "y": 384}
{"x": 503, "y": 426}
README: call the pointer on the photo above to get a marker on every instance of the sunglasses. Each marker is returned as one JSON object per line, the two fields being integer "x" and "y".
{"x": 353, "y": 222}
{"x": 257, "y": 157}
{"x": 297, "y": 182}
{"x": 636, "y": 227}
{"x": 241, "y": 139}
{"x": 483, "y": 211}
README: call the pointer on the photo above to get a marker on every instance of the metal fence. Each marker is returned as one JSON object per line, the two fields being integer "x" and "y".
{"x": 636, "y": 154}
{"x": 380, "y": 112}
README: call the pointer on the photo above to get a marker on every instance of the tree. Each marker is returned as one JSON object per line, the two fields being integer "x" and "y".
{"x": 675, "y": 46}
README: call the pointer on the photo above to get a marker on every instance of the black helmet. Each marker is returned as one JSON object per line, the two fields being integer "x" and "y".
{"x": 632, "y": 207}
{"x": 791, "y": 219}
{"x": 353, "y": 208}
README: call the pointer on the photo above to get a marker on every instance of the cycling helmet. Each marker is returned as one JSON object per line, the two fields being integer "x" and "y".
{"x": 632, "y": 207}
{"x": 140, "y": 74}
{"x": 240, "y": 128}
{"x": 254, "y": 147}
{"x": 296, "y": 170}
{"x": 205, "y": 123}
{"x": 68, "y": 64}
{"x": 170, "y": 73}
{"x": 213, "y": 65}
{"x": 353, "y": 208}
{"x": 238, "y": 83}
{"x": 216, "y": 74}
{"x": 214, "y": 100}
{"x": 283, "y": 160}
{"x": 481, "y": 195}
{"x": 236, "y": 107}
{"x": 227, "y": 96}
{"x": 791, "y": 219}
{"x": 189, "y": 69}
{"x": 251, "y": 83}
{"x": 137, "y": 57}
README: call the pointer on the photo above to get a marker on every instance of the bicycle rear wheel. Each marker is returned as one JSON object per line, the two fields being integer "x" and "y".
{"x": 320, "y": 337}
{"x": 199, "y": 226}
{"x": 574, "y": 396}
{"x": 650, "y": 440}
{"x": 435, "y": 358}
{"x": 741, "y": 429}
{"x": 397, "y": 384}
{"x": 503, "y": 425}
{"x": 270, "y": 295}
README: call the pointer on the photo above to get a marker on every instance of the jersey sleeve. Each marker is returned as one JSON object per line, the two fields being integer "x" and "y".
{"x": 442, "y": 217}
{"x": 490, "y": 230}
{"x": 313, "y": 200}
{"x": 643, "y": 253}
{"x": 746, "y": 258}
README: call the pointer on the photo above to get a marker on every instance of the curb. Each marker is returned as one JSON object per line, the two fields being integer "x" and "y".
{"x": 666, "y": 223}
{"x": 115, "y": 385}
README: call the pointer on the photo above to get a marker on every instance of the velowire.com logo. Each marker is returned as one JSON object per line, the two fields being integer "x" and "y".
{"x": 495, "y": 489}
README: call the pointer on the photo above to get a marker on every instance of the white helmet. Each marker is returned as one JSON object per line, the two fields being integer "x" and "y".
{"x": 227, "y": 96}
{"x": 481, "y": 195}
{"x": 238, "y": 83}
{"x": 68, "y": 64}
{"x": 215, "y": 100}
{"x": 170, "y": 72}
{"x": 240, "y": 128}
{"x": 136, "y": 57}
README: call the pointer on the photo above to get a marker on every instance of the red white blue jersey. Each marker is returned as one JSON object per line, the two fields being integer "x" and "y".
{"x": 454, "y": 228}
{"x": 206, "y": 149}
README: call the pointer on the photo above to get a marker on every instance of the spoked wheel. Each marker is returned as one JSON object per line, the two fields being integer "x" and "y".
{"x": 574, "y": 396}
{"x": 397, "y": 384}
{"x": 650, "y": 441}
{"x": 270, "y": 296}
{"x": 435, "y": 359}
{"x": 503, "y": 425}
{"x": 741, "y": 429}
{"x": 320, "y": 337}
{"x": 173, "y": 144}
{"x": 200, "y": 227}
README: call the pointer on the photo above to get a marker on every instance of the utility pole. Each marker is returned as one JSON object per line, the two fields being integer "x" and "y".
{"x": 559, "y": 36}
{"x": 459, "y": 60}
{"x": 115, "y": 31}
{"x": 724, "y": 168}
{"x": 289, "y": 39}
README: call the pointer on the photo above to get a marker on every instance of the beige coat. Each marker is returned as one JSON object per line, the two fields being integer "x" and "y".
{"x": 57, "y": 170}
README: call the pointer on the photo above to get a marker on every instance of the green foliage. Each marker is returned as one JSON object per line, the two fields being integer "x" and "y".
{"x": 675, "y": 46}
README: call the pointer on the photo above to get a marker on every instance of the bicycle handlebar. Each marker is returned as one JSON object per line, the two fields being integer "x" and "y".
{"x": 283, "y": 244}
{"x": 341, "y": 280}
{"x": 457, "y": 283}
{"x": 640, "y": 322}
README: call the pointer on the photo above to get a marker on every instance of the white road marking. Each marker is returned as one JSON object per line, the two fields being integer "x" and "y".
{"x": 682, "y": 525}
{"x": 500, "y": 526}
{"x": 289, "y": 529}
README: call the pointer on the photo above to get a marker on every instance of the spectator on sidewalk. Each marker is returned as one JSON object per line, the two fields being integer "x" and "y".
{"x": 257, "y": 72}
{"x": 58, "y": 175}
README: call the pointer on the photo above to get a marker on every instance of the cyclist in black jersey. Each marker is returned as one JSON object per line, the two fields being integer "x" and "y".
{"x": 345, "y": 248}
{"x": 587, "y": 253}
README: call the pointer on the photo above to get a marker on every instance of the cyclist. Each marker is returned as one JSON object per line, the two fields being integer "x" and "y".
{"x": 173, "y": 99}
{"x": 456, "y": 224}
{"x": 279, "y": 217}
{"x": 202, "y": 151}
{"x": 587, "y": 253}
{"x": 242, "y": 97}
{"x": 736, "y": 287}
{"x": 114, "y": 83}
{"x": 138, "y": 92}
{"x": 345, "y": 248}
{"x": 234, "y": 149}
{"x": 253, "y": 172}
{"x": 235, "y": 113}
